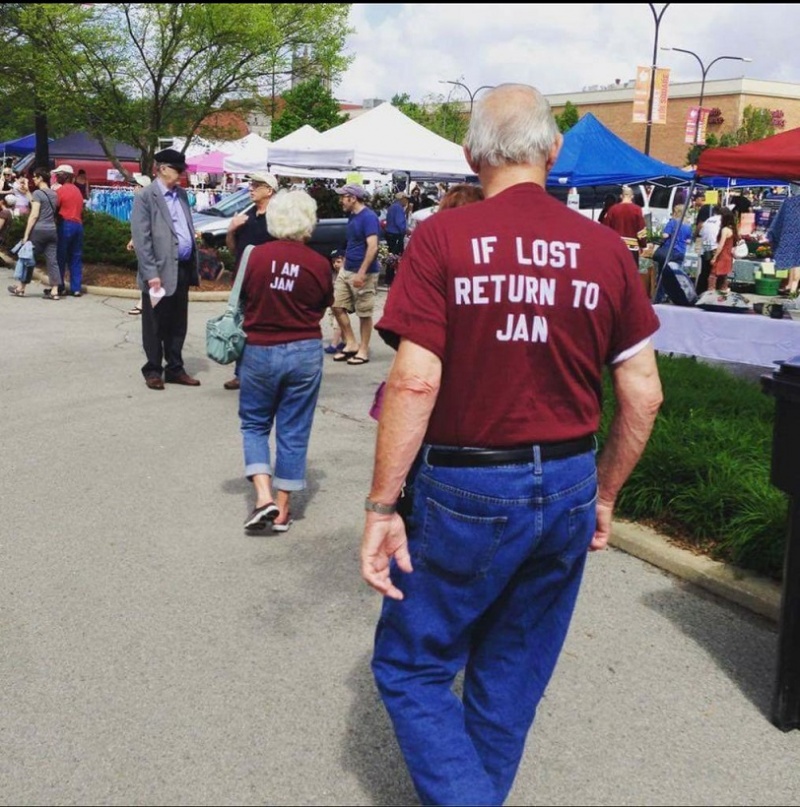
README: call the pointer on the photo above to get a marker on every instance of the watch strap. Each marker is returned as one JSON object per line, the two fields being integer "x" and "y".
{"x": 381, "y": 509}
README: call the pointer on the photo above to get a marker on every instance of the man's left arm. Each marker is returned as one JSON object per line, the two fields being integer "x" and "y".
{"x": 637, "y": 389}
{"x": 411, "y": 392}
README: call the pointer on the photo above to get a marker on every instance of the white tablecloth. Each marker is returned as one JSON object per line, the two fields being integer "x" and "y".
{"x": 742, "y": 338}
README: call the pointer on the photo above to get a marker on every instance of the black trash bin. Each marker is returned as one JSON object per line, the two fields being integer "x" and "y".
{"x": 784, "y": 385}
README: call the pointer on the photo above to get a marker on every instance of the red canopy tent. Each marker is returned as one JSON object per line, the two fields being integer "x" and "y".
{"x": 776, "y": 157}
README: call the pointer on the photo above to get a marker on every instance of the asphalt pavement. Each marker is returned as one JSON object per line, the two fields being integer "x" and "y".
{"x": 154, "y": 654}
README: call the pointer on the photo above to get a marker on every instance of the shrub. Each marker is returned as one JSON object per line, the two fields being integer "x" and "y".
{"x": 705, "y": 474}
{"x": 104, "y": 239}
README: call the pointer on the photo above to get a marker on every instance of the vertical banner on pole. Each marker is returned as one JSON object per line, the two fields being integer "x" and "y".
{"x": 641, "y": 94}
{"x": 702, "y": 123}
{"x": 696, "y": 120}
{"x": 691, "y": 124}
{"x": 660, "y": 96}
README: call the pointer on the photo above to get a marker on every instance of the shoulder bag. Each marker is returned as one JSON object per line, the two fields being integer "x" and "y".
{"x": 225, "y": 336}
{"x": 741, "y": 250}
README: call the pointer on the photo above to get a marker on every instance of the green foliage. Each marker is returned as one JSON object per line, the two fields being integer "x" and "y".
{"x": 757, "y": 123}
{"x": 568, "y": 118}
{"x": 329, "y": 204}
{"x": 308, "y": 103}
{"x": 135, "y": 72}
{"x": 705, "y": 474}
{"x": 105, "y": 239}
{"x": 442, "y": 116}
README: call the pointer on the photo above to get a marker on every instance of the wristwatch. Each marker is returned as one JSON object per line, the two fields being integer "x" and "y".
{"x": 381, "y": 509}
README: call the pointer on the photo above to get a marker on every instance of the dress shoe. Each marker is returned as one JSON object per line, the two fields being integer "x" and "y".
{"x": 232, "y": 384}
{"x": 154, "y": 382}
{"x": 185, "y": 379}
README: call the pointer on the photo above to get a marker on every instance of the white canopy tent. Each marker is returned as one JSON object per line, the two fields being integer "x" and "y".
{"x": 381, "y": 140}
{"x": 250, "y": 155}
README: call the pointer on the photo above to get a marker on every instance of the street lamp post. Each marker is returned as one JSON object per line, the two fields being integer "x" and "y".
{"x": 649, "y": 126}
{"x": 705, "y": 68}
{"x": 469, "y": 92}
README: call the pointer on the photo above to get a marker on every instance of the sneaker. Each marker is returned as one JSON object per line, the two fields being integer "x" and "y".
{"x": 258, "y": 518}
{"x": 283, "y": 527}
{"x": 335, "y": 348}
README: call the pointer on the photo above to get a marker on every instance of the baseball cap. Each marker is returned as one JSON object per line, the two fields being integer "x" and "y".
{"x": 142, "y": 179}
{"x": 352, "y": 190}
{"x": 337, "y": 253}
{"x": 64, "y": 169}
{"x": 263, "y": 176}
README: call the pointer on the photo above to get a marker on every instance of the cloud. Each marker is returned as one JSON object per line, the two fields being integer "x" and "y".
{"x": 411, "y": 47}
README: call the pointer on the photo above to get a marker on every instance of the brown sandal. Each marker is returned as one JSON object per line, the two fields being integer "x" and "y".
{"x": 13, "y": 290}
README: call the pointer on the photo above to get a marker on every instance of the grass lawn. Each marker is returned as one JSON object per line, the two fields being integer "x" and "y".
{"x": 704, "y": 479}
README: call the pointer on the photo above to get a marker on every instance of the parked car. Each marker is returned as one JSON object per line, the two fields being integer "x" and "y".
{"x": 659, "y": 210}
{"x": 212, "y": 224}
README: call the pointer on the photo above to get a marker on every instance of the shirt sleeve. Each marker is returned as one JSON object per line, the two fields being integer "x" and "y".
{"x": 416, "y": 309}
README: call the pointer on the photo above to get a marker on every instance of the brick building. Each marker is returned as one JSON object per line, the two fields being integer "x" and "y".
{"x": 613, "y": 106}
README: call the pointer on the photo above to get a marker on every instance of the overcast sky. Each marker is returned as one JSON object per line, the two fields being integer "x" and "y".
{"x": 409, "y": 48}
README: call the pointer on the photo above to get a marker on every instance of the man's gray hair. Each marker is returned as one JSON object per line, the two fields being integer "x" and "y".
{"x": 511, "y": 125}
{"x": 292, "y": 215}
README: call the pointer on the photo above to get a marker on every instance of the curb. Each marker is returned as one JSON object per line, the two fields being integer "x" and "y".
{"x": 758, "y": 594}
{"x": 110, "y": 291}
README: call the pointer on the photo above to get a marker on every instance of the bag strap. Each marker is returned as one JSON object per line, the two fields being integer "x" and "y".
{"x": 233, "y": 300}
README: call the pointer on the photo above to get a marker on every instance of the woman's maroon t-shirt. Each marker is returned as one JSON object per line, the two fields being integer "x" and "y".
{"x": 286, "y": 289}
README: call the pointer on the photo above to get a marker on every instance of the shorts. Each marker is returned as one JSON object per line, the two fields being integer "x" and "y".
{"x": 359, "y": 301}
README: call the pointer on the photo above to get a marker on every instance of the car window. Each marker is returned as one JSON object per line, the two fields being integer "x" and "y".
{"x": 661, "y": 197}
{"x": 230, "y": 205}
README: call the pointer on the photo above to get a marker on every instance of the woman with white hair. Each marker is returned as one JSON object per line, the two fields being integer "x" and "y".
{"x": 285, "y": 291}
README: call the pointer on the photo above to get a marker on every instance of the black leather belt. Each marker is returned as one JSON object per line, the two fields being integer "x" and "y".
{"x": 479, "y": 457}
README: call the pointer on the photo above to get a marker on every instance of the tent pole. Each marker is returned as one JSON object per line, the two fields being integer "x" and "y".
{"x": 674, "y": 238}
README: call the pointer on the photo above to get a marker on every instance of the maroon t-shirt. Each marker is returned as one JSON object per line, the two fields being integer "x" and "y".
{"x": 627, "y": 219}
{"x": 524, "y": 301}
{"x": 286, "y": 289}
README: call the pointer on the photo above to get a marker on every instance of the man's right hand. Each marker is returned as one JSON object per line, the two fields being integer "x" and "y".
{"x": 155, "y": 283}
{"x": 236, "y": 222}
{"x": 384, "y": 538}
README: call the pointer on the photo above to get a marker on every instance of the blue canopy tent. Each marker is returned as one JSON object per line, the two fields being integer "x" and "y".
{"x": 594, "y": 155}
{"x": 20, "y": 146}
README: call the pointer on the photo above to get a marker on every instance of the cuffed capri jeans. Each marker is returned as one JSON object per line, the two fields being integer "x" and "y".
{"x": 280, "y": 386}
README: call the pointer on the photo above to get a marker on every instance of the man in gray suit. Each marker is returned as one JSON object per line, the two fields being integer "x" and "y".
{"x": 163, "y": 237}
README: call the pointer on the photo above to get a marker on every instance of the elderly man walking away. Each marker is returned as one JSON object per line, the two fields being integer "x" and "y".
{"x": 357, "y": 284}
{"x": 500, "y": 503}
{"x": 70, "y": 231}
{"x": 163, "y": 237}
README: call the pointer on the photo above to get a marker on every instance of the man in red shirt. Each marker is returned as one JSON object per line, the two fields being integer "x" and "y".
{"x": 70, "y": 231}
{"x": 627, "y": 219}
{"x": 505, "y": 316}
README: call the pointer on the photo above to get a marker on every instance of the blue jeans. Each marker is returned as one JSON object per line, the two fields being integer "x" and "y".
{"x": 498, "y": 556}
{"x": 280, "y": 385}
{"x": 70, "y": 254}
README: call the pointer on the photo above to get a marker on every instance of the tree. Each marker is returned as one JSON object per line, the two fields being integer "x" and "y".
{"x": 136, "y": 72}
{"x": 757, "y": 123}
{"x": 307, "y": 103}
{"x": 445, "y": 118}
{"x": 568, "y": 118}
